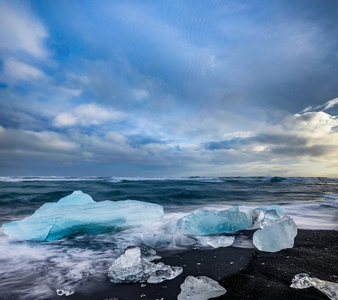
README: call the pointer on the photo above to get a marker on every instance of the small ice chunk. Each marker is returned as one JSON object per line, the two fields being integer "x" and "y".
{"x": 205, "y": 222}
{"x": 64, "y": 292}
{"x": 303, "y": 281}
{"x": 156, "y": 240}
{"x": 161, "y": 240}
{"x": 271, "y": 216}
{"x": 276, "y": 236}
{"x": 181, "y": 240}
{"x": 134, "y": 266}
{"x": 78, "y": 213}
{"x": 257, "y": 216}
{"x": 220, "y": 241}
{"x": 200, "y": 288}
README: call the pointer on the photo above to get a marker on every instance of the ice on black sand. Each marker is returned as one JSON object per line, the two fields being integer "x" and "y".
{"x": 135, "y": 266}
{"x": 303, "y": 281}
{"x": 200, "y": 288}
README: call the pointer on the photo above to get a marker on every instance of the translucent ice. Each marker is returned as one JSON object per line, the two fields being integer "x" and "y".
{"x": 257, "y": 216}
{"x": 276, "y": 236}
{"x": 180, "y": 240}
{"x": 221, "y": 241}
{"x": 200, "y": 288}
{"x": 205, "y": 222}
{"x": 271, "y": 216}
{"x": 277, "y": 208}
{"x": 159, "y": 240}
{"x": 303, "y": 281}
{"x": 79, "y": 213}
{"x": 156, "y": 240}
{"x": 134, "y": 266}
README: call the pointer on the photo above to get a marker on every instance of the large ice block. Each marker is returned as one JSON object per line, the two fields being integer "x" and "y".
{"x": 78, "y": 213}
{"x": 135, "y": 266}
{"x": 303, "y": 281}
{"x": 205, "y": 222}
{"x": 200, "y": 288}
{"x": 277, "y": 235}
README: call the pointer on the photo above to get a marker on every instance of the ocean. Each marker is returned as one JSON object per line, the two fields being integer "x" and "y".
{"x": 35, "y": 270}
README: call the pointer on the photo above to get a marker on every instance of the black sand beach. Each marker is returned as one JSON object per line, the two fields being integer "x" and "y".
{"x": 245, "y": 273}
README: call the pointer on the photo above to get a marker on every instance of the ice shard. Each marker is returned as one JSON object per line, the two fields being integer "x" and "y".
{"x": 275, "y": 236}
{"x": 205, "y": 222}
{"x": 303, "y": 281}
{"x": 200, "y": 288}
{"x": 78, "y": 213}
{"x": 135, "y": 266}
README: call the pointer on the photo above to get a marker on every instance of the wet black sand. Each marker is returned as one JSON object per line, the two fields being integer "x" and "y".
{"x": 245, "y": 273}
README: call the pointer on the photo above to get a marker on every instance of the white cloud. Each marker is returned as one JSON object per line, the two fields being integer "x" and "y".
{"x": 16, "y": 70}
{"x": 87, "y": 115}
{"x": 329, "y": 104}
{"x": 20, "y": 31}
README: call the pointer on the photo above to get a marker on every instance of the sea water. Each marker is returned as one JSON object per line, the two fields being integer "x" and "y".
{"x": 35, "y": 270}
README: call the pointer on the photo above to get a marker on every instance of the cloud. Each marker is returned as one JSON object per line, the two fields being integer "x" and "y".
{"x": 86, "y": 115}
{"x": 35, "y": 142}
{"x": 328, "y": 105}
{"x": 21, "y": 31}
{"x": 309, "y": 134}
{"x": 16, "y": 70}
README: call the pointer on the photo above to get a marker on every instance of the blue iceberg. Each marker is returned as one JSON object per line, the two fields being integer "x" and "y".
{"x": 277, "y": 179}
{"x": 205, "y": 222}
{"x": 78, "y": 213}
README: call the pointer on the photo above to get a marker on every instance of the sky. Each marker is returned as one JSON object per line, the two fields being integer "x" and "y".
{"x": 169, "y": 88}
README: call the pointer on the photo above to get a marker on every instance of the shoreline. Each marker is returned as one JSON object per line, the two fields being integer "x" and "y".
{"x": 246, "y": 273}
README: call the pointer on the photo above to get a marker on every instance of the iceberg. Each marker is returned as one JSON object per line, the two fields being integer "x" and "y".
{"x": 303, "y": 281}
{"x": 200, "y": 288}
{"x": 135, "y": 266}
{"x": 277, "y": 235}
{"x": 205, "y": 222}
{"x": 78, "y": 213}
{"x": 277, "y": 179}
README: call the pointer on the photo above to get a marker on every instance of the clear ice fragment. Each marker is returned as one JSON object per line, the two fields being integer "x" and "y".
{"x": 271, "y": 216}
{"x": 200, "y": 288}
{"x": 181, "y": 240}
{"x": 156, "y": 240}
{"x": 303, "y": 281}
{"x": 205, "y": 222}
{"x": 220, "y": 241}
{"x": 276, "y": 236}
{"x": 134, "y": 266}
{"x": 78, "y": 213}
{"x": 257, "y": 216}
